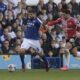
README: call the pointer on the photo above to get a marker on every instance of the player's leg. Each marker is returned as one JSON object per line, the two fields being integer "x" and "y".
{"x": 24, "y": 46}
{"x": 22, "y": 56}
{"x": 37, "y": 46}
{"x": 21, "y": 50}
{"x": 66, "y": 56}
{"x": 75, "y": 52}
{"x": 67, "y": 53}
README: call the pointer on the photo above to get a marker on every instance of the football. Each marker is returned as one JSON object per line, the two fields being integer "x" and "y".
{"x": 11, "y": 67}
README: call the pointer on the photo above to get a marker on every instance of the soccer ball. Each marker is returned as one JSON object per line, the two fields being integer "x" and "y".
{"x": 11, "y": 67}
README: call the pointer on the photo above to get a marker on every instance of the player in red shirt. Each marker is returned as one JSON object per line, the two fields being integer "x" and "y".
{"x": 69, "y": 25}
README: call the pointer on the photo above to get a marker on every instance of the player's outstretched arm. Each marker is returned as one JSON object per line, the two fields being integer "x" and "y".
{"x": 54, "y": 22}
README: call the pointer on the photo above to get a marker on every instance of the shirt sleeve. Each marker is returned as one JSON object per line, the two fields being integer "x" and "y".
{"x": 51, "y": 23}
{"x": 39, "y": 22}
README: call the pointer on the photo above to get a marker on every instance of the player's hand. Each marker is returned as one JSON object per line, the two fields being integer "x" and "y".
{"x": 44, "y": 22}
{"x": 46, "y": 26}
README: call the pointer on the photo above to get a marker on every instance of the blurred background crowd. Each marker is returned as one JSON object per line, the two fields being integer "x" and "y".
{"x": 13, "y": 22}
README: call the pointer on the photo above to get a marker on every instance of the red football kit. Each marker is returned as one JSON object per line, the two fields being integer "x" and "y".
{"x": 70, "y": 26}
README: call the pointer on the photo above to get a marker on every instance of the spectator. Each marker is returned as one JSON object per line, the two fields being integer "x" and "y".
{"x": 5, "y": 35}
{"x": 14, "y": 2}
{"x": 19, "y": 28}
{"x": 54, "y": 34}
{"x": 2, "y": 20}
{"x": 1, "y": 17}
{"x": 11, "y": 32}
{"x": 9, "y": 8}
{"x": 3, "y": 7}
{"x": 18, "y": 9}
{"x": 60, "y": 34}
{"x": 50, "y": 17}
{"x": 77, "y": 40}
{"x": 19, "y": 19}
{"x": 62, "y": 5}
{"x": 70, "y": 8}
{"x": 8, "y": 35}
{"x": 18, "y": 39}
{"x": 44, "y": 16}
{"x": 14, "y": 27}
{"x": 9, "y": 18}
{"x": 78, "y": 17}
{"x": 19, "y": 34}
{"x": 1, "y": 30}
{"x": 24, "y": 13}
{"x": 79, "y": 7}
{"x": 52, "y": 8}
{"x": 6, "y": 49}
{"x": 23, "y": 3}
{"x": 40, "y": 6}
{"x": 54, "y": 48}
{"x": 55, "y": 7}
{"x": 75, "y": 7}
{"x": 45, "y": 44}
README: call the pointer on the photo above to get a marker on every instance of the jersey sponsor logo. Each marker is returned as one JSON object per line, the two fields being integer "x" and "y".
{"x": 30, "y": 24}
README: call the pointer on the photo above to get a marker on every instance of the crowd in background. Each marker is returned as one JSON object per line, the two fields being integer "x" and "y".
{"x": 13, "y": 23}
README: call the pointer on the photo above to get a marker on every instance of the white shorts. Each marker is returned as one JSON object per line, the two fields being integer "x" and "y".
{"x": 78, "y": 53}
{"x": 28, "y": 43}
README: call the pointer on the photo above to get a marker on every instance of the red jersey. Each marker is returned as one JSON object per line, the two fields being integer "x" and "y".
{"x": 59, "y": 20}
{"x": 70, "y": 26}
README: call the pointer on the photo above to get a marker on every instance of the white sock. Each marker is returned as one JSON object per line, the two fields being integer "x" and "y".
{"x": 66, "y": 59}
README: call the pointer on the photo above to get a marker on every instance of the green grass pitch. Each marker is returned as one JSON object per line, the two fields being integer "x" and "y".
{"x": 40, "y": 75}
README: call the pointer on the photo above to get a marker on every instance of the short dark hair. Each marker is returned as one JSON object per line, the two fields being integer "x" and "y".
{"x": 32, "y": 11}
{"x": 67, "y": 11}
{"x": 39, "y": 13}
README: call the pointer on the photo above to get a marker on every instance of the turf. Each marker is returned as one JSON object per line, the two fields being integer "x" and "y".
{"x": 40, "y": 75}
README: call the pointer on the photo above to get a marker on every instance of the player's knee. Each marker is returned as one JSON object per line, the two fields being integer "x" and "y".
{"x": 74, "y": 51}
